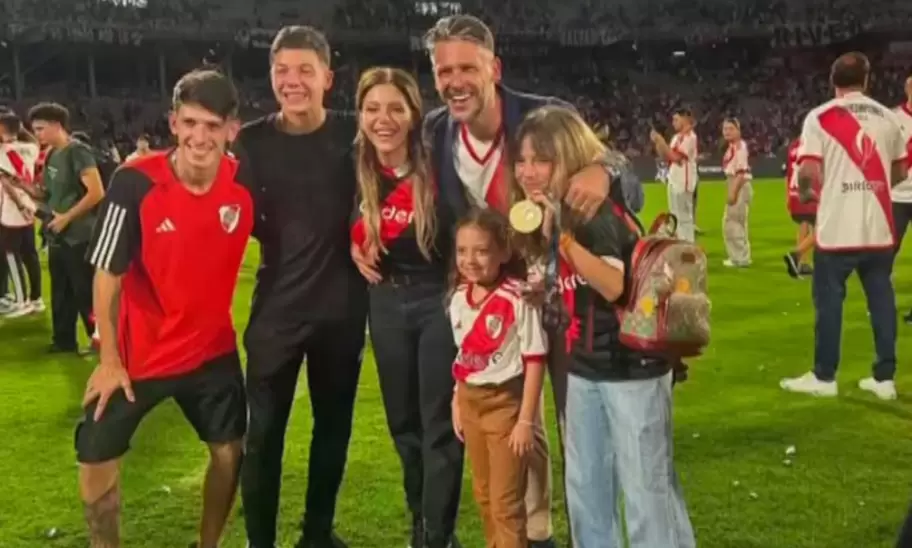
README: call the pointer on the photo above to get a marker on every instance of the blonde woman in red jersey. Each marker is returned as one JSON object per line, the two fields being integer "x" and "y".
{"x": 737, "y": 171}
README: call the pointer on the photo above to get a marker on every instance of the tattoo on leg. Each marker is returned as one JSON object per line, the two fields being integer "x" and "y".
{"x": 103, "y": 519}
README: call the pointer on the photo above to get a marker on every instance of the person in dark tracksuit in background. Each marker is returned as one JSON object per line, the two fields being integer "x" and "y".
{"x": 399, "y": 222}
{"x": 309, "y": 299}
{"x": 73, "y": 188}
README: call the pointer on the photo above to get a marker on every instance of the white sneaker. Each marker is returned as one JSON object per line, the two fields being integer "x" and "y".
{"x": 6, "y": 301}
{"x": 810, "y": 384}
{"x": 19, "y": 310}
{"x": 732, "y": 264}
{"x": 885, "y": 390}
{"x": 38, "y": 305}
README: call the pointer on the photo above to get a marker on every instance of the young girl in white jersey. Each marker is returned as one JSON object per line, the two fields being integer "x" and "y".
{"x": 499, "y": 370}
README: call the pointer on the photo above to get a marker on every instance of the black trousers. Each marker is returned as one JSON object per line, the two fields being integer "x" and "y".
{"x": 10, "y": 264}
{"x": 413, "y": 346}
{"x": 28, "y": 254}
{"x": 333, "y": 351}
{"x": 905, "y": 534}
{"x": 71, "y": 292}
{"x": 902, "y": 216}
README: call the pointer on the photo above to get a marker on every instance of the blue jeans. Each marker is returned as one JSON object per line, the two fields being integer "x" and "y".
{"x": 619, "y": 443}
{"x": 831, "y": 270}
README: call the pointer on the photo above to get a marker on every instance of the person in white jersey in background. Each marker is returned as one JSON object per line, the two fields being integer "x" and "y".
{"x": 737, "y": 171}
{"x": 681, "y": 156}
{"x": 902, "y": 193}
{"x": 142, "y": 148}
{"x": 856, "y": 147}
{"x": 17, "y": 219}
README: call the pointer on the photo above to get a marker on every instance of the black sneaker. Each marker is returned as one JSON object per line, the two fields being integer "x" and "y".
{"x": 417, "y": 538}
{"x": 805, "y": 269}
{"x": 452, "y": 543}
{"x": 57, "y": 349}
{"x": 330, "y": 541}
{"x": 791, "y": 264}
{"x": 908, "y": 318}
{"x": 549, "y": 543}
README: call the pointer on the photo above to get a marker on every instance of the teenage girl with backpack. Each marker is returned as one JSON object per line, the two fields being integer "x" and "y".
{"x": 618, "y": 416}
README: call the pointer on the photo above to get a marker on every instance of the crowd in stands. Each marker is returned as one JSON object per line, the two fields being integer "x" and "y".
{"x": 627, "y": 85}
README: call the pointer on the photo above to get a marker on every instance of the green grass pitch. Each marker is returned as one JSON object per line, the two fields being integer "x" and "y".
{"x": 847, "y": 486}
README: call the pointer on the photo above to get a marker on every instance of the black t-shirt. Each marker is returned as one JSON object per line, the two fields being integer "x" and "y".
{"x": 598, "y": 354}
{"x": 399, "y": 235}
{"x": 303, "y": 188}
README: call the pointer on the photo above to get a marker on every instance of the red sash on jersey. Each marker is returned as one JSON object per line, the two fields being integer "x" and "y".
{"x": 486, "y": 336}
{"x": 909, "y": 154}
{"x": 396, "y": 212}
{"x": 839, "y": 124}
{"x": 496, "y": 197}
{"x": 19, "y": 165}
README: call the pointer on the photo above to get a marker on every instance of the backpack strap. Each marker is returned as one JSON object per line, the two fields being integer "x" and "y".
{"x": 629, "y": 218}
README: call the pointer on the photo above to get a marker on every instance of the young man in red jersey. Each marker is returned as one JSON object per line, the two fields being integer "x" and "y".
{"x": 804, "y": 214}
{"x": 167, "y": 250}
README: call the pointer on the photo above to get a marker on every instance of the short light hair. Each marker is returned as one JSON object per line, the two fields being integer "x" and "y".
{"x": 460, "y": 27}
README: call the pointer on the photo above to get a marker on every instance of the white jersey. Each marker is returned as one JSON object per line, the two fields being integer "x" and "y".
{"x": 682, "y": 174}
{"x": 497, "y": 336}
{"x": 903, "y": 191}
{"x": 18, "y": 160}
{"x": 479, "y": 165}
{"x": 736, "y": 161}
{"x": 857, "y": 140}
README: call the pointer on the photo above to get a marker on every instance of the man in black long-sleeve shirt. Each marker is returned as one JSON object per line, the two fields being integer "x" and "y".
{"x": 309, "y": 300}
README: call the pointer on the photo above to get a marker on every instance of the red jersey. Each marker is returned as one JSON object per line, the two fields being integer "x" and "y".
{"x": 795, "y": 207}
{"x": 179, "y": 254}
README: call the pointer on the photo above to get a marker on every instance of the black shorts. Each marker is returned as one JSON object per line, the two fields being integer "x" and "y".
{"x": 211, "y": 397}
{"x": 809, "y": 218}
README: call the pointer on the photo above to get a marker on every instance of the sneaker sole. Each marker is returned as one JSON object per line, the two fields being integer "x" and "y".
{"x": 890, "y": 397}
{"x": 792, "y": 267}
{"x": 815, "y": 393}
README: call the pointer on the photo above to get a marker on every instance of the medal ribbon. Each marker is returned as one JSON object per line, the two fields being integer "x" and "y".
{"x": 552, "y": 312}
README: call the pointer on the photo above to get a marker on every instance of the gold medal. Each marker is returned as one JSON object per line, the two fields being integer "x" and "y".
{"x": 526, "y": 216}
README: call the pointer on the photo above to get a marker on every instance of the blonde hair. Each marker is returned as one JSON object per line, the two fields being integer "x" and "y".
{"x": 561, "y": 137}
{"x": 368, "y": 165}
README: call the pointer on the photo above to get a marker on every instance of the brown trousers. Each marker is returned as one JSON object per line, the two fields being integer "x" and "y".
{"x": 499, "y": 477}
